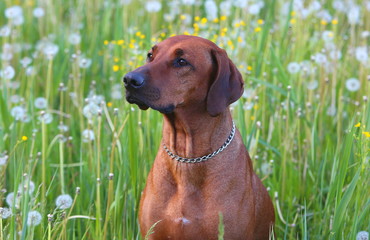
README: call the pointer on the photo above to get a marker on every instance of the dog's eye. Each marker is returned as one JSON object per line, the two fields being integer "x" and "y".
{"x": 182, "y": 62}
{"x": 149, "y": 57}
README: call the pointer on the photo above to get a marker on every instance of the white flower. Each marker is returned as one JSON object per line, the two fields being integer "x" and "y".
{"x": 331, "y": 111}
{"x": 363, "y": 235}
{"x": 364, "y": 34}
{"x": 64, "y": 201}
{"x": 361, "y": 54}
{"x": 74, "y": 38}
{"x": 90, "y": 110}
{"x": 15, "y": 98}
{"x": 13, "y": 12}
{"x": 63, "y": 128}
{"x": 5, "y": 212}
{"x": 294, "y": 67}
{"x": 225, "y": 8}
{"x": 25, "y": 61}
{"x": 10, "y": 200}
{"x": 3, "y": 160}
{"x": 314, "y": 6}
{"x": 335, "y": 54}
{"x": 248, "y": 93}
{"x": 18, "y": 20}
{"x": 255, "y": 9}
{"x": 320, "y": 58}
{"x": 46, "y": 118}
{"x": 266, "y": 169}
{"x": 240, "y": 3}
{"x": 153, "y": 6}
{"x": 188, "y": 2}
{"x": 211, "y": 9}
{"x": 41, "y": 103}
{"x": 8, "y": 72}
{"x": 30, "y": 71}
{"x": 353, "y": 14}
{"x": 18, "y": 112}
{"x": 38, "y": 12}
{"x": 33, "y": 218}
{"x": 84, "y": 62}
{"x": 327, "y": 36}
{"x": 116, "y": 91}
{"x": 353, "y": 84}
{"x": 88, "y": 135}
{"x": 248, "y": 106}
{"x": 26, "y": 184}
{"x": 50, "y": 50}
{"x": 312, "y": 85}
{"x": 339, "y": 6}
{"x": 5, "y": 31}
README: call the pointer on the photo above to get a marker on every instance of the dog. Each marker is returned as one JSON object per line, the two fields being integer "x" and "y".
{"x": 202, "y": 168}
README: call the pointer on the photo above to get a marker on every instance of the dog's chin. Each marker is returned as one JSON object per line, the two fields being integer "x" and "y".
{"x": 143, "y": 105}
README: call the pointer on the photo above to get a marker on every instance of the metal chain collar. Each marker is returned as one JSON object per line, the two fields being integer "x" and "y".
{"x": 205, "y": 157}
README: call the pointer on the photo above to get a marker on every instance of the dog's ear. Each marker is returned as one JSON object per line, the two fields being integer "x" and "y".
{"x": 227, "y": 86}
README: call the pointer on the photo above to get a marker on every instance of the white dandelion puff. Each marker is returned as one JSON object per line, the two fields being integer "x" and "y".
{"x": 361, "y": 54}
{"x": 18, "y": 112}
{"x": 64, "y": 201}
{"x": 26, "y": 185}
{"x": 11, "y": 201}
{"x": 331, "y": 111}
{"x": 90, "y": 110}
{"x": 248, "y": 106}
{"x": 74, "y": 38}
{"x": 7, "y": 73}
{"x": 363, "y": 235}
{"x": 84, "y": 62}
{"x": 3, "y": 160}
{"x": 335, "y": 54}
{"x": 33, "y": 218}
{"x": 211, "y": 9}
{"x": 13, "y": 12}
{"x": 50, "y": 50}
{"x": 5, "y": 212}
{"x": 88, "y": 135}
{"x": 312, "y": 85}
{"x": 225, "y": 8}
{"x": 25, "y": 61}
{"x": 153, "y": 6}
{"x": 353, "y": 84}
{"x": 5, "y": 31}
{"x": 293, "y": 67}
{"x": 46, "y": 118}
{"x": 41, "y": 103}
{"x": 255, "y": 8}
{"x": 38, "y": 12}
{"x": 353, "y": 15}
{"x": 320, "y": 58}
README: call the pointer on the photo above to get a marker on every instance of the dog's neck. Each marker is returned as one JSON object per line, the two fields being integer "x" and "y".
{"x": 195, "y": 133}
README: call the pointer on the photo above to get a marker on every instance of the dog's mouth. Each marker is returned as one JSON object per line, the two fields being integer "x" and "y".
{"x": 144, "y": 105}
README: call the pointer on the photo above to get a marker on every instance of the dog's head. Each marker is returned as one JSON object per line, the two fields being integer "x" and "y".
{"x": 182, "y": 71}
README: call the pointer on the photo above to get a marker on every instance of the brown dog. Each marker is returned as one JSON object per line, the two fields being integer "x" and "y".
{"x": 192, "y": 82}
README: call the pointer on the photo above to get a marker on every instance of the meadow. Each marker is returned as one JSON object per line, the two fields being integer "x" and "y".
{"x": 74, "y": 155}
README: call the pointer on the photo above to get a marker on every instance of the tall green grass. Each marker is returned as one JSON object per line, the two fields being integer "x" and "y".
{"x": 315, "y": 164}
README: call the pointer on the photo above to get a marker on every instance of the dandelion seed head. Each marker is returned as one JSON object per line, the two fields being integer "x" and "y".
{"x": 50, "y": 50}
{"x": 18, "y": 113}
{"x": 41, "y": 103}
{"x": 363, "y": 235}
{"x": 5, "y": 31}
{"x": 211, "y": 9}
{"x": 361, "y": 54}
{"x": 38, "y": 12}
{"x": 7, "y": 72}
{"x": 3, "y": 160}
{"x": 293, "y": 67}
{"x": 13, "y": 12}
{"x": 353, "y": 84}
{"x": 33, "y": 218}
{"x": 26, "y": 185}
{"x": 5, "y": 212}
{"x": 312, "y": 85}
{"x": 153, "y": 6}
{"x": 11, "y": 201}
{"x": 74, "y": 38}
{"x": 88, "y": 135}
{"x": 64, "y": 201}
{"x": 84, "y": 62}
{"x": 46, "y": 118}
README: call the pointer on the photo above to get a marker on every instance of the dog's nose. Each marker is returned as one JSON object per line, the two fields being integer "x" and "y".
{"x": 133, "y": 79}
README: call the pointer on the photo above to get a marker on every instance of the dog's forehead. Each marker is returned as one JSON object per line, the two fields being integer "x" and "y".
{"x": 186, "y": 43}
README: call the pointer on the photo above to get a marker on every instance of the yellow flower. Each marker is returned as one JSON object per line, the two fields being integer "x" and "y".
{"x": 367, "y": 134}
{"x": 230, "y": 43}
{"x": 204, "y": 20}
{"x": 216, "y": 20}
{"x": 249, "y": 68}
{"x": 334, "y": 21}
{"x": 292, "y": 14}
{"x": 142, "y": 36}
{"x": 255, "y": 107}
{"x": 138, "y": 34}
{"x": 260, "y": 21}
{"x": 323, "y": 22}
{"x": 116, "y": 59}
{"x": 113, "y": 42}
{"x": 186, "y": 33}
{"x": 163, "y": 34}
{"x": 242, "y": 23}
{"x": 224, "y": 30}
{"x": 257, "y": 29}
{"x": 120, "y": 42}
{"x": 237, "y": 25}
{"x": 240, "y": 39}
{"x": 106, "y": 42}
{"x": 358, "y": 124}
{"x": 131, "y": 45}
{"x": 252, "y": 118}
{"x": 292, "y": 21}
{"x": 109, "y": 104}
{"x": 223, "y": 18}
{"x": 115, "y": 68}
{"x": 24, "y": 138}
{"x": 197, "y": 18}
{"x": 182, "y": 17}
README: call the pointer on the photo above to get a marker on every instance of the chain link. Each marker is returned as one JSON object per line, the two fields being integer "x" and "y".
{"x": 205, "y": 157}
